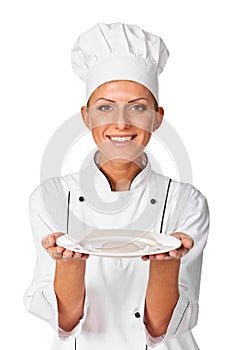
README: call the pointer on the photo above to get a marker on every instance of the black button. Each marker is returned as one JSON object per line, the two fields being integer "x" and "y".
{"x": 137, "y": 315}
{"x": 81, "y": 198}
{"x": 153, "y": 201}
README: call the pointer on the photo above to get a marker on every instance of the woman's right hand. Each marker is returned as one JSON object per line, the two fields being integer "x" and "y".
{"x": 60, "y": 253}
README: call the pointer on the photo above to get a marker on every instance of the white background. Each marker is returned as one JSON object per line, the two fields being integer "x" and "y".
{"x": 39, "y": 92}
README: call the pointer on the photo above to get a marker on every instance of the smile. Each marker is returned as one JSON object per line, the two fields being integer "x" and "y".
{"x": 121, "y": 139}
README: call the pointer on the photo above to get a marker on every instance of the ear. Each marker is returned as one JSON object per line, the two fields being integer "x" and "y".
{"x": 158, "y": 118}
{"x": 85, "y": 116}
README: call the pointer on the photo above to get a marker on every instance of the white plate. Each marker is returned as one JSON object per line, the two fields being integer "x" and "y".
{"x": 120, "y": 243}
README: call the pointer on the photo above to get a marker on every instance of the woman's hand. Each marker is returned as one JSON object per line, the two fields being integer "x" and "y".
{"x": 60, "y": 253}
{"x": 186, "y": 244}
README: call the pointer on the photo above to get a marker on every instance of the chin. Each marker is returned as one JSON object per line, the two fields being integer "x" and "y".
{"x": 121, "y": 160}
{"x": 125, "y": 159}
{"x": 121, "y": 155}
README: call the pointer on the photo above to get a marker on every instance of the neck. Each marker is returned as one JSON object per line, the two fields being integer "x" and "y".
{"x": 120, "y": 173}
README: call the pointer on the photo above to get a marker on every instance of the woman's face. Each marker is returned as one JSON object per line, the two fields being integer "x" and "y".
{"x": 122, "y": 115}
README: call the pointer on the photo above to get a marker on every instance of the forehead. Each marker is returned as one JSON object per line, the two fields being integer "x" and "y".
{"x": 121, "y": 91}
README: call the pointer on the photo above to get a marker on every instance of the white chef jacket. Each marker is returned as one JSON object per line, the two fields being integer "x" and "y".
{"x": 116, "y": 287}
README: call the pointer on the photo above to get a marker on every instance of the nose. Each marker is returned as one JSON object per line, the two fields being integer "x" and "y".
{"x": 122, "y": 121}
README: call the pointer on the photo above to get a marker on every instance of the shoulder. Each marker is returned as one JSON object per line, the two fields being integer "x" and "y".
{"x": 176, "y": 188}
{"x": 60, "y": 186}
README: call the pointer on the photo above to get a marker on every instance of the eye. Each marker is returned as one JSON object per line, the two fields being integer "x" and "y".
{"x": 105, "y": 108}
{"x": 138, "y": 108}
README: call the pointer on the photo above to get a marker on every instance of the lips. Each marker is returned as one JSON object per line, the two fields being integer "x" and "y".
{"x": 121, "y": 141}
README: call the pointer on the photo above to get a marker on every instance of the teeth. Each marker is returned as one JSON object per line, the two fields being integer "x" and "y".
{"x": 120, "y": 139}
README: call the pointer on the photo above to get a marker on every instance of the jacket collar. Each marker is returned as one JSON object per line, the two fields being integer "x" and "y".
{"x": 102, "y": 182}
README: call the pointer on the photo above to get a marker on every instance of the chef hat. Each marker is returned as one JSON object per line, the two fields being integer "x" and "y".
{"x": 119, "y": 51}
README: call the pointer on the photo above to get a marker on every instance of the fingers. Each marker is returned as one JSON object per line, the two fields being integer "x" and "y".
{"x": 60, "y": 253}
{"x": 82, "y": 256}
{"x": 178, "y": 253}
{"x": 69, "y": 255}
{"x": 162, "y": 256}
{"x": 173, "y": 254}
{"x": 187, "y": 241}
{"x": 50, "y": 240}
{"x": 186, "y": 244}
{"x": 55, "y": 252}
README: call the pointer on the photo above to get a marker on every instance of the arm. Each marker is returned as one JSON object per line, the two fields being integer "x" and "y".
{"x": 69, "y": 285}
{"x": 70, "y": 292}
{"x": 163, "y": 287}
{"x": 181, "y": 316}
{"x": 40, "y": 298}
{"x": 161, "y": 296}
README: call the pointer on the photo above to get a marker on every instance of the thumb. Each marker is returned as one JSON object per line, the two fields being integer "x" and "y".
{"x": 50, "y": 240}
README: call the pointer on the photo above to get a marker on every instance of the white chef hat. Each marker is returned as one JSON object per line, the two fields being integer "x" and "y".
{"x": 119, "y": 51}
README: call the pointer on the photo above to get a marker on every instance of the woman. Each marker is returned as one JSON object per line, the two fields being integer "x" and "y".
{"x": 118, "y": 303}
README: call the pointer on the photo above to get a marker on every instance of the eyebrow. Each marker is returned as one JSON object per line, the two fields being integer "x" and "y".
{"x": 136, "y": 99}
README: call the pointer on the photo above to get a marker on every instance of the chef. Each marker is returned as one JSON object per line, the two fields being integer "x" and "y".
{"x": 98, "y": 302}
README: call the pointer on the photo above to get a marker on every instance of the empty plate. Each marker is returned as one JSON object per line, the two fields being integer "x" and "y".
{"x": 120, "y": 243}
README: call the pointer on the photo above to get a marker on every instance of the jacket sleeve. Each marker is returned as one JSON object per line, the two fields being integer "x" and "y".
{"x": 194, "y": 221}
{"x": 46, "y": 216}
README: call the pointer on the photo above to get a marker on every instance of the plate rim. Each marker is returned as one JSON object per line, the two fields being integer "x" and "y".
{"x": 105, "y": 253}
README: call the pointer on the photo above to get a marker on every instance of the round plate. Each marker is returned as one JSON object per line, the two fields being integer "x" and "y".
{"x": 120, "y": 243}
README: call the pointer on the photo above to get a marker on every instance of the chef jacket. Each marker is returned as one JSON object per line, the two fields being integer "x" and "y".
{"x": 116, "y": 287}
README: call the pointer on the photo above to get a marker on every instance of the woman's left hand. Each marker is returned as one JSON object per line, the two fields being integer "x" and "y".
{"x": 186, "y": 244}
